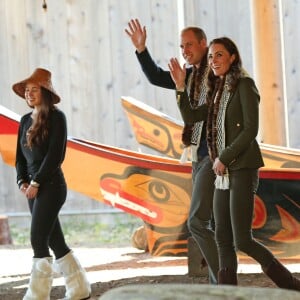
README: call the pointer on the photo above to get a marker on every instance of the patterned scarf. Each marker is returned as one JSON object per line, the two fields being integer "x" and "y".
{"x": 216, "y": 119}
{"x": 195, "y": 85}
{"x": 197, "y": 91}
{"x": 216, "y": 127}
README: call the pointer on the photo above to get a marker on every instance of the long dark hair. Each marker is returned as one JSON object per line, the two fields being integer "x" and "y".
{"x": 234, "y": 71}
{"x": 39, "y": 129}
{"x": 216, "y": 86}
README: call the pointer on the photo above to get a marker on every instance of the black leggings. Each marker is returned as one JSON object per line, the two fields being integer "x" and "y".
{"x": 46, "y": 230}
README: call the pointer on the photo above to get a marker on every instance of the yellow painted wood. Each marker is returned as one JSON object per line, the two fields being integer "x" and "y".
{"x": 93, "y": 62}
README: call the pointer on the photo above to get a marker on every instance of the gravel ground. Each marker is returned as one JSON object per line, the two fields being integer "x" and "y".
{"x": 109, "y": 268}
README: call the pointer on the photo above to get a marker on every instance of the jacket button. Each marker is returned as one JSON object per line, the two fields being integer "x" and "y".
{"x": 238, "y": 125}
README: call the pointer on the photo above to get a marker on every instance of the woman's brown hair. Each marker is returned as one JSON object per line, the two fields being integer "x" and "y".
{"x": 235, "y": 69}
{"x": 39, "y": 129}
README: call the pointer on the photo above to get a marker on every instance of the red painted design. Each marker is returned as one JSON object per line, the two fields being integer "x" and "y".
{"x": 115, "y": 196}
{"x": 260, "y": 213}
{"x": 8, "y": 126}
{"x": 290, "y": 232}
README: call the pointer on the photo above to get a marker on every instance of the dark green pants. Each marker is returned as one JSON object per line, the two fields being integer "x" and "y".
{"x": 233, "y": 212}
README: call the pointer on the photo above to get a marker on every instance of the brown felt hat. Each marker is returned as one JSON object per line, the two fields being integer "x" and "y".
{"x": 41, "y": 77}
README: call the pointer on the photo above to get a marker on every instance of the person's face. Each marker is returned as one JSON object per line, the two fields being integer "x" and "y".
{"x": 219, "y": 59}
{"x": 33, "y": 94}
{"x": 191, "y": 49}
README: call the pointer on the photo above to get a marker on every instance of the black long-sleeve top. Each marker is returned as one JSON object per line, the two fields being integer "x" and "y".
{"x": 155, "y": 74}
{"x": 41, "y": 162}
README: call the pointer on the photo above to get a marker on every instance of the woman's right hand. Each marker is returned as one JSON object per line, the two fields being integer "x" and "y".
{"x": 31, "y": 191}
{"x": 219, "y": 167}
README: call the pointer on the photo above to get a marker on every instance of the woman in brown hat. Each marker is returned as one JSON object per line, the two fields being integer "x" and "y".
{"x": 41, "y": 148}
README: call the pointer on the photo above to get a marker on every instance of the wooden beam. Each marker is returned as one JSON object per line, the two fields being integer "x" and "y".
{"x": 268, "y": 69}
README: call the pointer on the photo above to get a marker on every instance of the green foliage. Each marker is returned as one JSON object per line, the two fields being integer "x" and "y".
{"x": 88, "y": 231}
{"x": 20, "y": 236}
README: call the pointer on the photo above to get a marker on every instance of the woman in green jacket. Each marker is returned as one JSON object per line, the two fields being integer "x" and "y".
{"x": 232, "y": 113}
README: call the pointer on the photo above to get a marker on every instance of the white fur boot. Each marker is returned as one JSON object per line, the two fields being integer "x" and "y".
{"x": 40, "y": 283}
{"x": 77, "y": 285}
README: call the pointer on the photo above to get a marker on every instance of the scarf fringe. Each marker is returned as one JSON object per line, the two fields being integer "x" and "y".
{"x": 222, "y": 182}
{"x": 185, "y": 154}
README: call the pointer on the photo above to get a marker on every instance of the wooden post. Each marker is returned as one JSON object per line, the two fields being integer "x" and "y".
{"x": 269, "y": 69}
{"x": 5, "y": 237}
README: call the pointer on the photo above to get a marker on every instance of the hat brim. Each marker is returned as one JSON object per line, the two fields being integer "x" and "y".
{"x": 19, "y": 88}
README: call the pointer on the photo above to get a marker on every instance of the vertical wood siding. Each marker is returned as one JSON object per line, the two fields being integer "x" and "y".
{"x": 93, "y": 63}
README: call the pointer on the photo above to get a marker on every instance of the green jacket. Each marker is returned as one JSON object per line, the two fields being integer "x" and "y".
{"x": 241, "y": 125}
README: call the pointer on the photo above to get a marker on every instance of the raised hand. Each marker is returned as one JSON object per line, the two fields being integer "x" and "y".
{"x": 137, "y": 34}
{"x": 178, "y": 73}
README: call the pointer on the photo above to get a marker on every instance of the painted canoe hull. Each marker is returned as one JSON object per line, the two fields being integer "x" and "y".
{"x": 277, "y": 203}
{"x": 157, "y": 190}
{"x": 152, "y": 188}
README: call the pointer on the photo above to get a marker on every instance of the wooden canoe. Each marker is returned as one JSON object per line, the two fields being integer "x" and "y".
{"x": 157, "y": 189}
{"x": 277, "y": 203}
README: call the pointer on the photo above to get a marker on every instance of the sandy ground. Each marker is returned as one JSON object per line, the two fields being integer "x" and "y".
{"x": 108, "y": 268}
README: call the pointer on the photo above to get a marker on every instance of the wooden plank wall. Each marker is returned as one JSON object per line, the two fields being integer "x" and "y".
{"x": 93, "y": 62}
{"x": 291, "y": 33}
{"x": 223, "y": 18}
